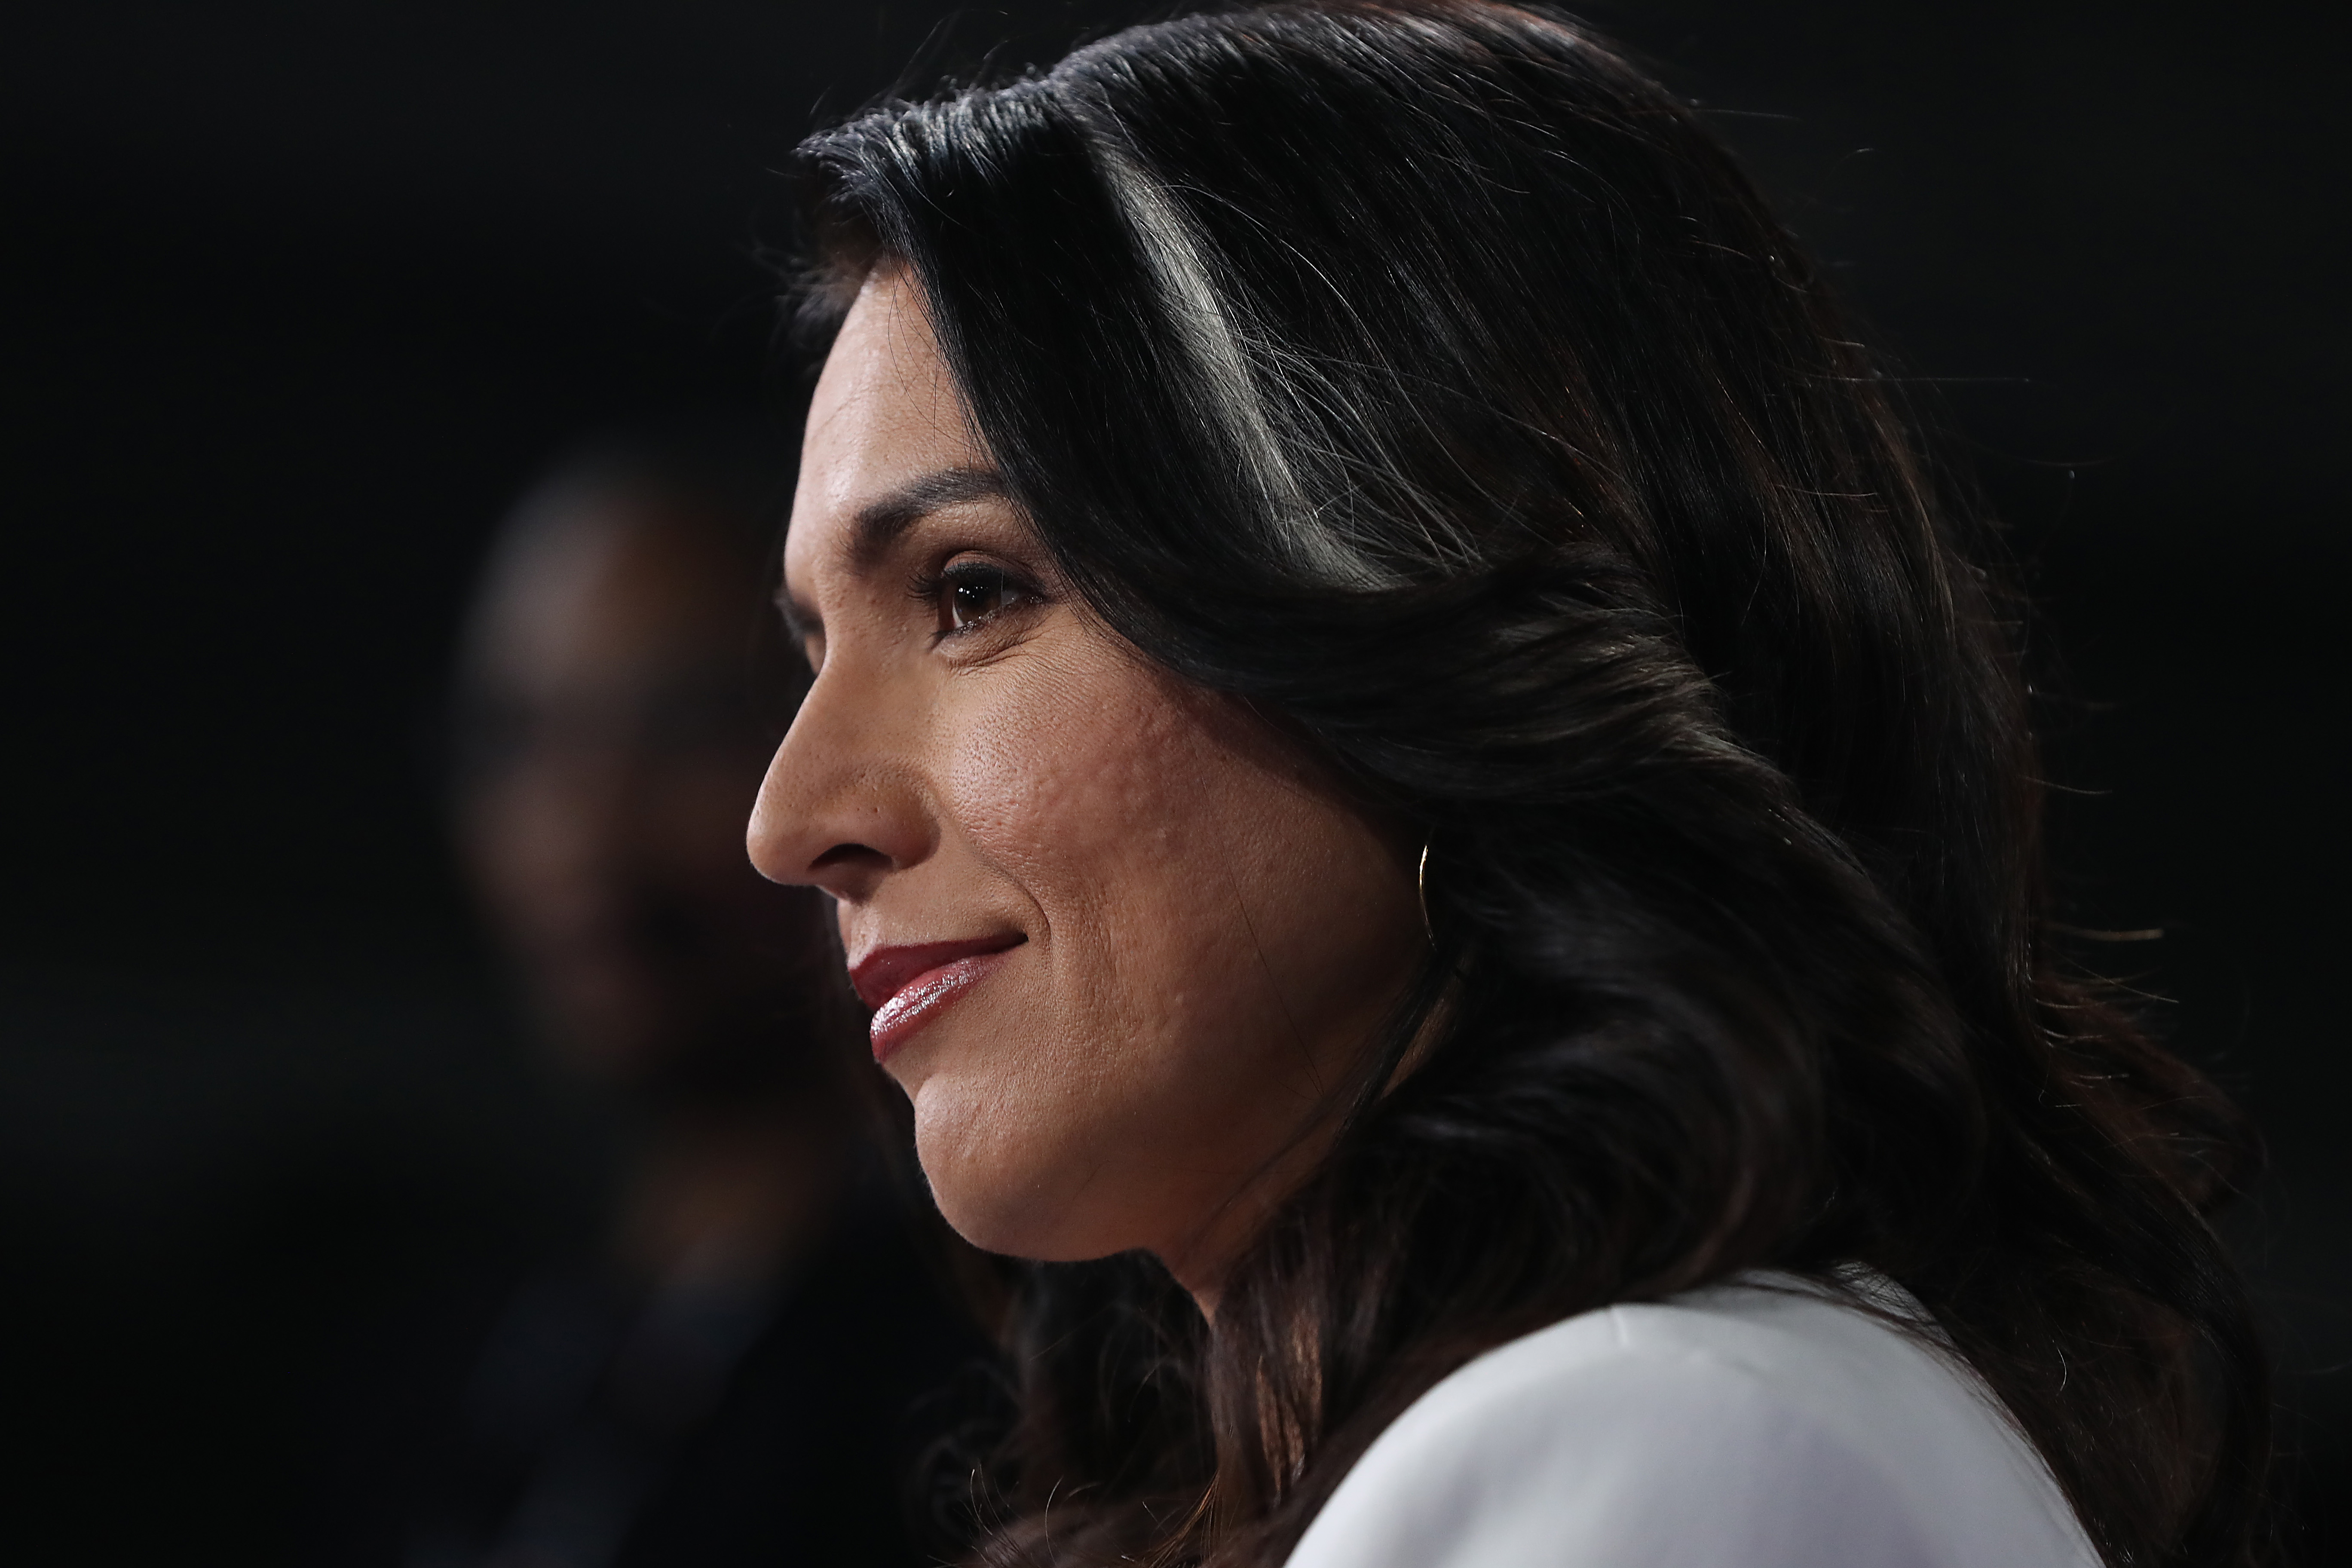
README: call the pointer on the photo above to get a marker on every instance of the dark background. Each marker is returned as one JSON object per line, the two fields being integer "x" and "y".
{"x": 298, "y": 296}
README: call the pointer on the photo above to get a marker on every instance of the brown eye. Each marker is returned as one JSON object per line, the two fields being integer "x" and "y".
{"x": 970, "y": 593}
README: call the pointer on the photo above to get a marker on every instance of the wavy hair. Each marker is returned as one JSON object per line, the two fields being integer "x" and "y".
{"x": 1426, "y": 376}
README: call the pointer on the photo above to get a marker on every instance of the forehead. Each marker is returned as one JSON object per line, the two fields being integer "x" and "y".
{"x": 886, "y": 413}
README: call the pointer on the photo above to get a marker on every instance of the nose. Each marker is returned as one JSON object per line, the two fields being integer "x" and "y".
{"x": 842, "y": 806}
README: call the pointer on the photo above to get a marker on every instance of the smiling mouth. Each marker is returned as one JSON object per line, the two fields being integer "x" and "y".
{"x": 907, "y": 986}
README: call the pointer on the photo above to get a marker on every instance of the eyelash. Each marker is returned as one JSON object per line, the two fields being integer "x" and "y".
{"x": 931, "y": 588}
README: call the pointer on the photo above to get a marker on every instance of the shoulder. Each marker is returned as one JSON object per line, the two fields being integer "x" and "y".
{"x": 1761, "y": 1425}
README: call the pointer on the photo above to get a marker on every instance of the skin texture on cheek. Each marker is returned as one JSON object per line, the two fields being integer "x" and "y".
{"x": 1198, "y": 997}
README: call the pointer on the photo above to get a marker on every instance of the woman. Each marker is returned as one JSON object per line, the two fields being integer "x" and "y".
{"x": 1439, "y": 820}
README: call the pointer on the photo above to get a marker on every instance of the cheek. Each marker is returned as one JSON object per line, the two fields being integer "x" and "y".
{"x": 1105, "y": 804}
{"x": 1211, "y": 939}
{"x": 1068, "y": 763}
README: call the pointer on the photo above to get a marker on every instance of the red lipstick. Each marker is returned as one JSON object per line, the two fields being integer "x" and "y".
{"x": 907, "y": 986}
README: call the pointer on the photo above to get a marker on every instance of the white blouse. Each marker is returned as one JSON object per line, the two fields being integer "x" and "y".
{"x": 1761, "y": 1424}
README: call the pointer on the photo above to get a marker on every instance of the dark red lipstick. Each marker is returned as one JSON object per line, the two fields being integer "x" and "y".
{"x": 907, "y": 986}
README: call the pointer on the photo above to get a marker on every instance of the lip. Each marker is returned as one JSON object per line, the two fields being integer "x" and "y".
{"x": 908, "y": 985}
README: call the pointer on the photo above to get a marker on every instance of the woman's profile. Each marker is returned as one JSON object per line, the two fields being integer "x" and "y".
{"x": 1437, "y": 811}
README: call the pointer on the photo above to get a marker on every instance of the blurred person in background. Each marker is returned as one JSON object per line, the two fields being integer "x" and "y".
{"x": 753, "y": 1370}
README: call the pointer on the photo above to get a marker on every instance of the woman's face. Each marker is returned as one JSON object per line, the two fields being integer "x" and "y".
{"x": 1123, "y": 940}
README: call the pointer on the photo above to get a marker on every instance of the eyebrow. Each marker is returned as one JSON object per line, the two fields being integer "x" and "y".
{"x": 882, "y": 522}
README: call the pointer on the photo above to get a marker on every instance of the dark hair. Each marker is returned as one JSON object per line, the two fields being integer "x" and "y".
{"x": 1426, "y": 376}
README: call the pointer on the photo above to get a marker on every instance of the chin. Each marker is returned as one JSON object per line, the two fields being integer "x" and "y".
{"x": 1001, "y": 1192}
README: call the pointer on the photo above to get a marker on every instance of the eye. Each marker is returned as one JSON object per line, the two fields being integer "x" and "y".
{"x": 970, "y": 592}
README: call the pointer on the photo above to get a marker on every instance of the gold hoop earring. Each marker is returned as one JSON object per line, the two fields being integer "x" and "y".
{"x": 1421, "y": 892}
